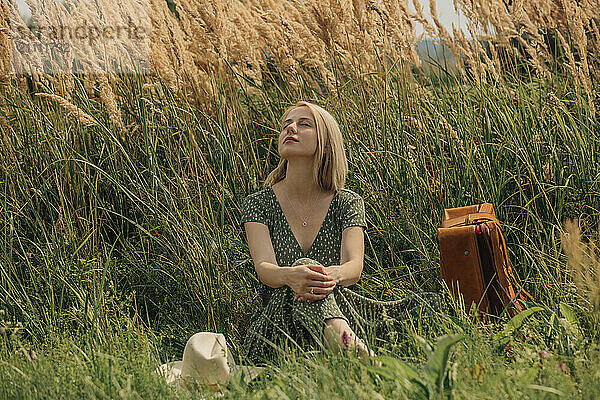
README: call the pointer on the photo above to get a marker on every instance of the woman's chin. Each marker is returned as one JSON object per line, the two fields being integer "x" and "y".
{"x": 290, "y": 154}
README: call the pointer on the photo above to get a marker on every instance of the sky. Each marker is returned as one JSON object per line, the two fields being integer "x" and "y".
{"x": 446, "y": 12}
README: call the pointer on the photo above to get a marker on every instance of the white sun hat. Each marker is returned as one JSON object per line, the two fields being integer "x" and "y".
{"x": 206, "y": 360}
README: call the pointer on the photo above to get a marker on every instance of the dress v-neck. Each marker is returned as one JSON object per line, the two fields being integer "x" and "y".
{"x": 304, "y": 253}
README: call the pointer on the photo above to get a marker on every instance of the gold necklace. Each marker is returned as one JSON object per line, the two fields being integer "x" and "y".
{"x": 304, "y": 220}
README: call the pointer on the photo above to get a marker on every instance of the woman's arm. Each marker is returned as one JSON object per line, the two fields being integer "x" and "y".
{"x": 352, "y": 253}
{"x": 263, "y": 255}
{"x": 299, "y": 278}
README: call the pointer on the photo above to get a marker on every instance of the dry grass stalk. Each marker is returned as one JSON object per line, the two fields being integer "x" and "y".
{"x": 451, "y": 132}
{"x": 5, "y": 50}
{"x": 76, "y": 112}
{"x": 583, "y": 262}
{"x": 529, "y": 21}
{"x": 434, "y": 32}
{"x": 5, "y": 63}
{"x": 108, "y": 97}
{"x": 67, "y": 84}
{"x": 4, "y": 126}
{"x": 170, "y": 55}
{"x": 593, "y": 27}
{"x": 575, "y": 20}
{"x": 60, "y": 83}
{"x": 572, "y": 65}
{"x": 302, "y": 37}
{"x": 295, "y": 34}
{"x": 94, "y": 33}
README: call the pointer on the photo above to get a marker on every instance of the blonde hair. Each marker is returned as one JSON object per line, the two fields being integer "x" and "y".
{"x": 330, "y": 166}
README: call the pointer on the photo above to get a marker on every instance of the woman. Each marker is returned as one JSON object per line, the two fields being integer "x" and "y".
{"x": 305, "y": 235}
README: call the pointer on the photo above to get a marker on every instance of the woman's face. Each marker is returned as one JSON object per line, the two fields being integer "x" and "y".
{"x": 298, "y": 136}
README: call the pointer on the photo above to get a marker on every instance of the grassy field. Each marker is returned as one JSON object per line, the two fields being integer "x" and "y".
{"x": 118, "y": 245}
{"x": 120, "y": 236}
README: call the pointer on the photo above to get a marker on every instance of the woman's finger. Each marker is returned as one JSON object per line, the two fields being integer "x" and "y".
{"x": 320, "y": 289}
{"x": 318, "y": 294}
{"x": 319, "y": 277}
{"x": 321, "y": 284}
{"x": 317, "y": 268}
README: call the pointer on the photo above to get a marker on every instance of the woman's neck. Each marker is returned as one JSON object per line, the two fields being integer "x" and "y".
{"x": 299, "y": 182}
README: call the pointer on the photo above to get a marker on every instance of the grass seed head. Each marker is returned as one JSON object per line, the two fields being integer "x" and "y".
{"x": 583, "y": 263}
{"x": 76, "y": 112}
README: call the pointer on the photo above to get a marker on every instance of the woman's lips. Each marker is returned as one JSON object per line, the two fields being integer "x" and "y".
{"x": 290, "y": 139}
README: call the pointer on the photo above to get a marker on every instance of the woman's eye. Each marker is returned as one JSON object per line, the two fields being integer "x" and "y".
{"x": 284, "y": 127}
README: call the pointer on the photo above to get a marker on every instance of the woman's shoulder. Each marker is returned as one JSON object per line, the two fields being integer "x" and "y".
{"x": 351, "y": 209}
{"x": 347, "y": 195}
{"x": 261, "y": 199}
{"x": 256, "y": 207}
{"x": 260, "y": 194}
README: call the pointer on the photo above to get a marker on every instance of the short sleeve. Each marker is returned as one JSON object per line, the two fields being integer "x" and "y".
{"x": 252, "y": 210}
{"x": 353, "y": 212}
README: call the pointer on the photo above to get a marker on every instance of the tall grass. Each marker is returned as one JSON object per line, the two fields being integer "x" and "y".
{"x": 120, "y": 201}
{"x": 103, "y": 224}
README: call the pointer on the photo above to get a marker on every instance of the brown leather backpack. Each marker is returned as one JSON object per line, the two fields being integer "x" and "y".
{"x": 475, "y": 261}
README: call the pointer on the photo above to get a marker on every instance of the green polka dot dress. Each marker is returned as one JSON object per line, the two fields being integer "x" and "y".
{"x": 282, "y": 317}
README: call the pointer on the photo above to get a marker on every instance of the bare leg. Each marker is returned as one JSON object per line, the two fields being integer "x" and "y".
{"x": 339, "y": 336}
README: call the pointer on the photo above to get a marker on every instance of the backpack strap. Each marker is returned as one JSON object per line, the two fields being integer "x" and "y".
{"x": 521, "y": 293}
{"x": 470, "y": 219}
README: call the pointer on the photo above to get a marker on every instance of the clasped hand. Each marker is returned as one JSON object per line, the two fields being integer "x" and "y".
{"x": 312, "y": 282}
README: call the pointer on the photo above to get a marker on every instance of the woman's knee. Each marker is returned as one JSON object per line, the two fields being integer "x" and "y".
{"x": 305, "y": 261}
{"x": 336, "y": 323}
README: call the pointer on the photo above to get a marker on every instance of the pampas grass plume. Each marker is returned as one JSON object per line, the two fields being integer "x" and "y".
{"x": 76, "y": 112}
{"x": 108, "y": 97}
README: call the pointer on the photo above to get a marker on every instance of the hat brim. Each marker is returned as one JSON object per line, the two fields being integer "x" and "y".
{"x": 248, "y": 373}
{"x": 172, "y": 371}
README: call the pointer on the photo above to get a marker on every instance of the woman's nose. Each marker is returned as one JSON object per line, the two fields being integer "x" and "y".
{"x": 292, "y": 125}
